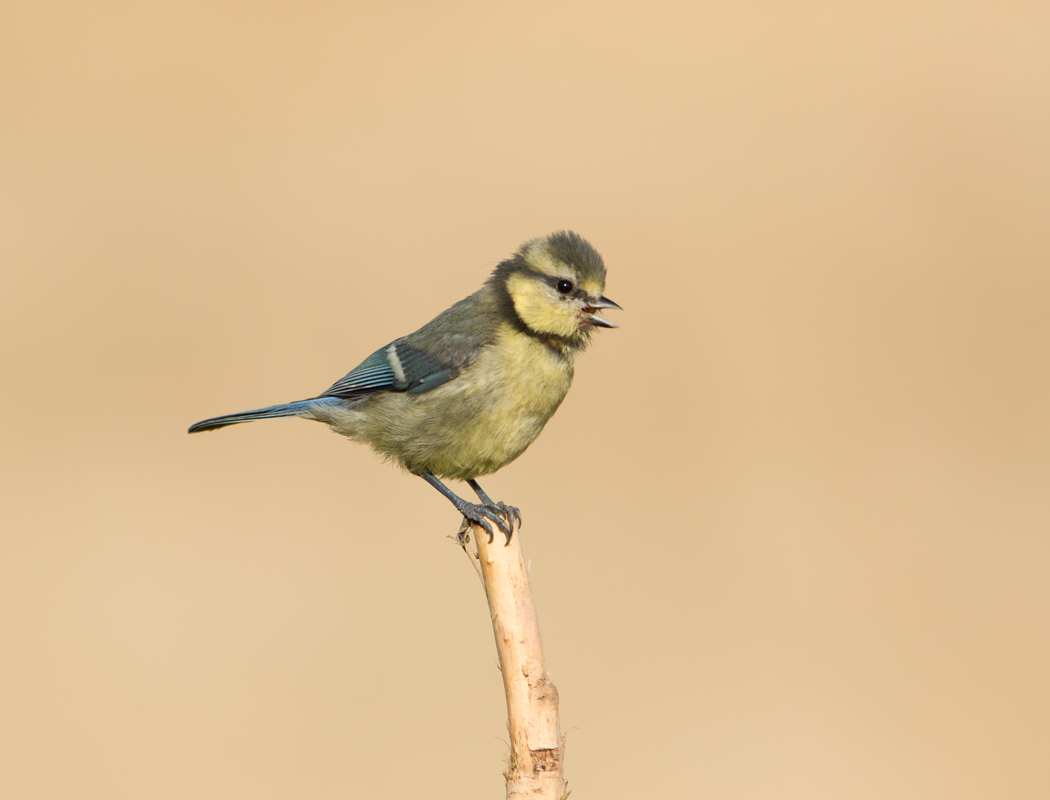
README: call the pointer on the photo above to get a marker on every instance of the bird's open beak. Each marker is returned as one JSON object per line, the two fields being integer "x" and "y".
{"x": 592, "y": 306}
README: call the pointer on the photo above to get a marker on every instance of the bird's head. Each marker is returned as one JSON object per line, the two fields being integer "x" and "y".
{"x": 555, "y": 285}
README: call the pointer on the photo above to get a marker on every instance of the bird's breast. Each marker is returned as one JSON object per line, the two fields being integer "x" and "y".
{"x": 532, "y": 381}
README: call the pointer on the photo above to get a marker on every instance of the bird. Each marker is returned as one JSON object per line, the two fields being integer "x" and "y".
{"x": 468, "y": 392}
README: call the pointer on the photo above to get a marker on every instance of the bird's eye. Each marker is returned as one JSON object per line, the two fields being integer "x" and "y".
{"x": 564, "y": 286}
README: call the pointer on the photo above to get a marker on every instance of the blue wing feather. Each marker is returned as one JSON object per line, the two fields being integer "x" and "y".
{"x": 396, "y": 368}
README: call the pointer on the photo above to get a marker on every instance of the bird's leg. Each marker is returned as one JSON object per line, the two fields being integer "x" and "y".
{"x": 475, "y": 512}
{"x": 510, "y": 512}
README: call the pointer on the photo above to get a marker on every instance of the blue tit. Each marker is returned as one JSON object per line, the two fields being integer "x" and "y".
{"x": 468, "y": 392}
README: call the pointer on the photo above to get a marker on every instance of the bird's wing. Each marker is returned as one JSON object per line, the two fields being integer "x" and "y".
{"x": 374, "y": 374}
{"x": 399, "y": 367}
{"x": 433, "y": 355}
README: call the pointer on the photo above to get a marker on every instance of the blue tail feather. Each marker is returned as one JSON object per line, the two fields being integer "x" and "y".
{"x": 270, "y": 412}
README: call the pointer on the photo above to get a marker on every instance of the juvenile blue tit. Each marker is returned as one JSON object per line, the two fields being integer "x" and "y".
{"x": 468, "y": 392}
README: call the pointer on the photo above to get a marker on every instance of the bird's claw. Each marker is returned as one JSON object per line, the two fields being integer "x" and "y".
{"x": 510, "y": 512}
{"x": 506, "y": 518}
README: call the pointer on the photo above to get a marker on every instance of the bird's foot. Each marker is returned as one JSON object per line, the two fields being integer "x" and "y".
{"x": 511, "y": 514}
{"x": 505, "y": 517}
{"x": 483, "y": 514}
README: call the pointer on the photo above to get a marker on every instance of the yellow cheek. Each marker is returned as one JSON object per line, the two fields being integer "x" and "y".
{"x": 539, "y": 311}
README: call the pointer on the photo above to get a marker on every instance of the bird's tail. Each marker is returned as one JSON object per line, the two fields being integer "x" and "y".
{"x": 286, "y": 410}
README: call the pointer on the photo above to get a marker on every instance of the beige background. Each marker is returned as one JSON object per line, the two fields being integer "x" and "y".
{"x": 790, "y": 532}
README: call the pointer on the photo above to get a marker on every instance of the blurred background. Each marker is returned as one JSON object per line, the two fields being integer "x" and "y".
{"x": 789, "y": 533}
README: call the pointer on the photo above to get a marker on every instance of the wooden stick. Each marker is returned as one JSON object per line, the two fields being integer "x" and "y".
{"x": 537, "y": 748}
